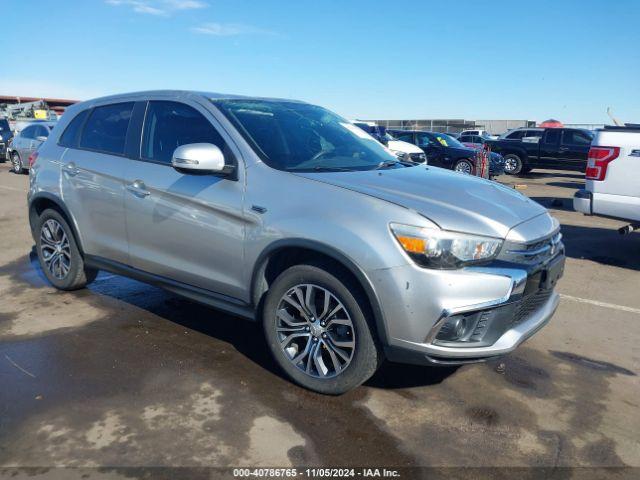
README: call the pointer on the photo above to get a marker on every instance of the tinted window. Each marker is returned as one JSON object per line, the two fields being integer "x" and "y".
{"x": 106, "y": 128}
{"x": 517, "y": 135}
{"x": 552, "y": 136}
{"x": 466, "y": 138}
{"x": 41, "y": 131}
{"x": 533, "y": 133}
{"x": 4, "y": 125}
{"x": 69, "y": 137}
{"x": 28, "y": 132}
{"x": 576, "y": 137}
{"x": 424, "y": 140}
{"x": 405, "y": 137}
{"x": 170, "y": 124}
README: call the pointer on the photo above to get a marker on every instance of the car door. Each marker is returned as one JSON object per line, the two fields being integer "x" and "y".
{"x": 574, "y": 148}
{"x": 92, "y": 178}
{"x": 431, "y": 148}
{"x": 186, "y": 227}
{"x": 23, "y": 143}
{"x": 549, "y": 153}
{"x": 40, "y": 135}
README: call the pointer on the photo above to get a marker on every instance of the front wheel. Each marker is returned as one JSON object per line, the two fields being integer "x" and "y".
{"x": 315, "y": 325}
{"x": 513, "y": 164}
{"x": 464, "y": 166}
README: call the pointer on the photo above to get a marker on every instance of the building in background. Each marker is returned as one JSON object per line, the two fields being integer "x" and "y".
{"x": 495, "y": 127}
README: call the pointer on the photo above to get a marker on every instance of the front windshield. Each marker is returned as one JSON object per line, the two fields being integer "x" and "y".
{"x": 4, "y": 126}
{"x": 448, "y": 140}
{"x": 300, "y": 137}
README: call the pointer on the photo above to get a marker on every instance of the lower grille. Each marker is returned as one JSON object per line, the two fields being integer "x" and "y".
{"x": 529, "y": 305}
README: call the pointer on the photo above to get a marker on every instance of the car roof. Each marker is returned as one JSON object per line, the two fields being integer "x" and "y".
{"x": 179, "y": 94}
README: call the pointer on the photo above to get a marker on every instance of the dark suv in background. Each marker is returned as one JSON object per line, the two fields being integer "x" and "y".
{"x": 553, "y": 148}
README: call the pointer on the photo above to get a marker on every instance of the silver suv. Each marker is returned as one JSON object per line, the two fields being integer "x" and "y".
{"x": 285, "y": 213}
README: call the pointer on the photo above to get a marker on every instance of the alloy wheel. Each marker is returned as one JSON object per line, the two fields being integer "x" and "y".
{"x": 510, "y": 165}
{"x": 315, "y": 331}
{"x": 55, "y": 249}
{"x": 463, "y": 167}
{"x": 16, "y": 164}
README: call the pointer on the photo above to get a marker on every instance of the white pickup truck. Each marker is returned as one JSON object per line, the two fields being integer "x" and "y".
{"x": 613, "y": 176}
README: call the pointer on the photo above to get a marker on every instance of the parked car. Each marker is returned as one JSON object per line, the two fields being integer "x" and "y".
{"x": 551, "y": 148}
{"x": 480, "y": 133}
{"x": 282, "y": 212}
{"x": 612, "y": 187}
{"x": 406, "y": 152}
{"x": 26, "y": 142}
{"x": 444, "y": 151}
{"x": 5, "y": 137}
{"x": 472, "y": 141}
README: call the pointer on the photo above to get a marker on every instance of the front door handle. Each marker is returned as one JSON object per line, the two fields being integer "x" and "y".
{"x": 564, "y": 149}
{"x": 71, "y": 169}
{"x": 138, "y": 188}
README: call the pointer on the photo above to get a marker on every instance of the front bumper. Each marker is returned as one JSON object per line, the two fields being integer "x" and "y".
{"x": 583, "y": 202}
{"x": 508, "y": 303}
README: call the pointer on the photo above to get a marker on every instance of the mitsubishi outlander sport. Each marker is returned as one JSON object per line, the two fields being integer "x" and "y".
{"x": 285, "y": 213}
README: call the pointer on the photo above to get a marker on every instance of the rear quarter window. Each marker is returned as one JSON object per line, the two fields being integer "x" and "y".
{"x": 69, "y": 137}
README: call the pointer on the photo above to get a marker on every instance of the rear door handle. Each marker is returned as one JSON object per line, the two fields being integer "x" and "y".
{"x": 564, "y": 149}
{"x": 138, "y": 188}
{"x": 71, "y": 169}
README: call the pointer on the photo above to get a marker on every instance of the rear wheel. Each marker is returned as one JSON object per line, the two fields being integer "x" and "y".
{"x": 315, "y": 325}
{"x": 16, "y": 163}
{"x": 512, "y": 164}
{"x": 58, "y": 253}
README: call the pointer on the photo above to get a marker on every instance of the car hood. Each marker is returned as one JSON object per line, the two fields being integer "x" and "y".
{"x": 452, "y": 200}
{"x": 405, "y": 147}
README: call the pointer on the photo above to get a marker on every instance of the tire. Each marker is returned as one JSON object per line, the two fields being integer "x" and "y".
{"x": 464, "y": 166}
{"x": 513, "y": 164}
{"x": 16, "y": 163}
{"x": 356, "y": 364}
{"x": 69, "y": 272}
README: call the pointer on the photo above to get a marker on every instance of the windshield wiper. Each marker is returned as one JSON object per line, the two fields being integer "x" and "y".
{"x": 387, "y": 164}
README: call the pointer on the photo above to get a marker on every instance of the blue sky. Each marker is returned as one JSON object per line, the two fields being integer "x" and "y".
{"x": 368, "y": 59}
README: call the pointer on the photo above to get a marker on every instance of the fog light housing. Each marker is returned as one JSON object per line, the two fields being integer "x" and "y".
{"x": 455, "y": 329}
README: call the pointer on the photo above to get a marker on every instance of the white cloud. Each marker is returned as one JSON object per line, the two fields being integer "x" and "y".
{"x": 158, "y": 7}
{"x": 229, "y": 29}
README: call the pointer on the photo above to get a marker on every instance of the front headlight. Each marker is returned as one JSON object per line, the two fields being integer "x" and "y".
{"x": 444, "y": 250}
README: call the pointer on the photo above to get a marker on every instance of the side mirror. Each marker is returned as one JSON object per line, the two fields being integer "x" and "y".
{"x": 200, "y": 158}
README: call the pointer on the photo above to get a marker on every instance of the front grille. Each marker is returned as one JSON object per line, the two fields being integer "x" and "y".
{"x": 530, "y": 305}
{"x": 533, "y": 252}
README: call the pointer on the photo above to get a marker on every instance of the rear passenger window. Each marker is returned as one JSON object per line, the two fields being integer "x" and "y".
{"x": 575, "y": 137}
{"x": 106, "y": 128}
{"x": 552, "y": 136}
{"x": 168, "y": 125}
{"x": 41, "y": 131}
{"x": 28, "y": 132}
{"x": 70, "y": 135}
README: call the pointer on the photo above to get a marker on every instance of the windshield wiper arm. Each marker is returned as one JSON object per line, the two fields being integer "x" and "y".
{"x": 387, "y": 164}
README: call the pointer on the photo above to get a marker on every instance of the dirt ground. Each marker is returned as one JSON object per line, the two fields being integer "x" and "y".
{"x": 125, "y": 374}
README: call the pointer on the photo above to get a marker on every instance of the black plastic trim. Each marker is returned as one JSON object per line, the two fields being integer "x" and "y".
{"x": 200, "y": 295}
{"x": 338, "y": 256}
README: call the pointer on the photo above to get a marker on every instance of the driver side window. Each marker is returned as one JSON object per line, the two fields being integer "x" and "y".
{"x": 168, "y": 125}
